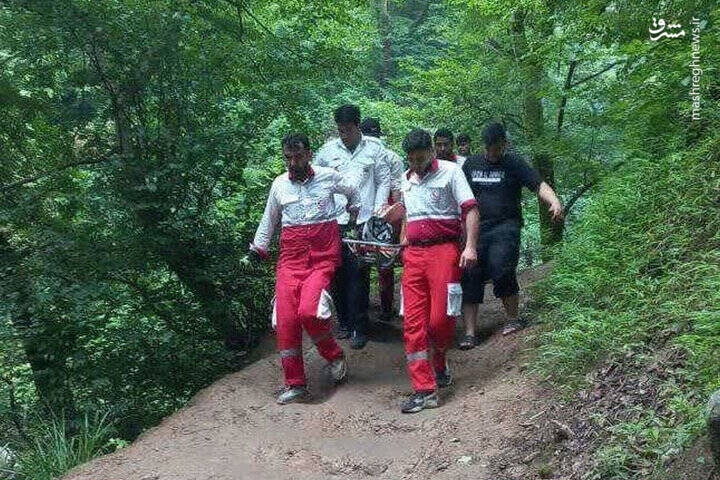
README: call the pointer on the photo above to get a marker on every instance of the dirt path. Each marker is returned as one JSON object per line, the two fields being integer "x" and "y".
{"x": 234, "y": 430}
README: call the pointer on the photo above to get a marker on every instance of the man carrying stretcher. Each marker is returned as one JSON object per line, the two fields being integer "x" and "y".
{"x": 302, "y": 201}
{"x": 436, "y": 199}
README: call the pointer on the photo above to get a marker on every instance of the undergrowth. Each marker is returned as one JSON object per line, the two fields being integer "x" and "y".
{"x": 642, "y": 273}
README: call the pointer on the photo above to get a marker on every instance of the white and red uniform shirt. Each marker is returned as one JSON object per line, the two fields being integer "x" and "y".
{"x": 436, "y": 203}
{"x": 310, "y": 202}
{"x": 367, "y": 167}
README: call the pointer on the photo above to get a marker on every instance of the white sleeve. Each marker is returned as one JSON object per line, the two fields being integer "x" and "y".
{"x": 396, "y": 170}
{"x": 269, "y": 222}
{"x": 381, "y": 172}
{"x": 344, "y": 186}
{"x": 461, "y": 190}
{"x": 320, "y": 158}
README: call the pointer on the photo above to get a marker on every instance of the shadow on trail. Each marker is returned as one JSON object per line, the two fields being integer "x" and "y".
{"x": 386, "y": 332}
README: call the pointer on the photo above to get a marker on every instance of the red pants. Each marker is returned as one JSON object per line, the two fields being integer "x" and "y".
{"x": 432, "y": 299}
{"x": 309, "y": 255}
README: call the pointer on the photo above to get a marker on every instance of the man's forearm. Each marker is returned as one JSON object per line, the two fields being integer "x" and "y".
{"x": 547, "y": 194}
{"x": 472, "y": 227}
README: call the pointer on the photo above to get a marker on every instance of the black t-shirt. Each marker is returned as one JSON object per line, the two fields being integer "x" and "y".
{"x": 498, "y": 186}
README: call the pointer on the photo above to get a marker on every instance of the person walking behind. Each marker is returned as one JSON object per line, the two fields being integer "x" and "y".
{"x": 496, "y": 178}
{"x": 464, "y": 145}
{"x": 444, "y": 141}
{"x": 386, "y": 276}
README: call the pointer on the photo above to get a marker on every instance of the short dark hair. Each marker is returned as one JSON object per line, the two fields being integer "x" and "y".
{"x": 493, "y": 134}
{"x": 445, "y": 133}
{"x": 417, "y": 139}
{"x": 371, "y": 126}
{"x": 293, "y": 140}
{"x": 463, "y": 138}
{"x": 347, "y": 114}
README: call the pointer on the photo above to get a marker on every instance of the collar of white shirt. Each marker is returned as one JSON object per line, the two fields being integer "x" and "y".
{"x": 417, "y": 178}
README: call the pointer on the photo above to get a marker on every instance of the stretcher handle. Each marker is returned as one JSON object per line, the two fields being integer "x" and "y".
{"x": 372, "y": 244}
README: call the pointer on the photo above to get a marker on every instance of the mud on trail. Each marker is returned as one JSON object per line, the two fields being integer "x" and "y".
{"x": 234, "y": 430}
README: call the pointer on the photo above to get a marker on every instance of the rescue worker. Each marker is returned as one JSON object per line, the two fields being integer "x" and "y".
{"x": 386, "y": 276}
{"x": 444, "y": 141}
{"x": 496, "y": 178}
{"x": 302, "y": 200}
{"x": 436, "y": 200}
{"x": 363, "y": 160}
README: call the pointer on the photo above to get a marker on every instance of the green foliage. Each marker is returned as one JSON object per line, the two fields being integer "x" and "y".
{"x": 139, "y": 139}
{"x": 642, "y": 273}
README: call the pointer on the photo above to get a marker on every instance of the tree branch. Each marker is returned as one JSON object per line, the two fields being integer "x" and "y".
{"x": 590, "y": 77}
{"x": 281, "y": 42}
{"x": 563, "y": 101}
{"x": 150, "y": 303}
{"x": 492, "y": 43}
{"x": 510, "y": 119}
{"x": 581, "y": 191}
{"x": 576, "y": 196}
{"x": 34, "y": 178}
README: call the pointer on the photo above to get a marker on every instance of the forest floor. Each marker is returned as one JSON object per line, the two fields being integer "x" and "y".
{"x": 496, "y": 422}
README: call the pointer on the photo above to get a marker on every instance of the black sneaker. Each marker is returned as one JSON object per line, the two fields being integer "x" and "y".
{"x": 419, "y": 401}
{"x": 443, "y": 378}
{"x": 358, "y": 341}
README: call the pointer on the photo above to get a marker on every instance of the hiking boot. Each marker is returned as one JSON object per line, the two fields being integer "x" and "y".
{"x": 358, "y": 341}
{"x": 443, "y": 378}
{"x": 419, "y": 401}
{"x": 293, "y": 394}
{"x": 338, "y": 370}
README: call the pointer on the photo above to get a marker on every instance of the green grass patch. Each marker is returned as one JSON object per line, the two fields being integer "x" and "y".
{"x": 54, "y": 450}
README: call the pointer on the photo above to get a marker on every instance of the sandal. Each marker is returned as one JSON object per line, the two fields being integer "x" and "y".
{"x": 512, "y": 327}
{"x": 467, "y": 342}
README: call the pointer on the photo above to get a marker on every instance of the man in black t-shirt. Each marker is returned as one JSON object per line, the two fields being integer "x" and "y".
{"x": 496, "y": 178}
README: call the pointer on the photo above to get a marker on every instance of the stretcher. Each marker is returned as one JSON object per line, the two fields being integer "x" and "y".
{"x": 376, "y": 246}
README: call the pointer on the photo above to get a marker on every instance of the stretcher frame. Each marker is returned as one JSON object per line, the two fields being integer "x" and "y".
{"x": 384, "y": 255}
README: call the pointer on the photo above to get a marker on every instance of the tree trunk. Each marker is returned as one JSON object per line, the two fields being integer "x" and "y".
{"x": 534, "y": 124}
{"x": 185, "y": 257}
{"x": 563, "y": 100}
{"x": 45, "y": 344}
{"x": 187, "y": 263}
{"x": 385, "y": 27}
{"x": 182, "y": 257}
{"x": 551, "y": 233}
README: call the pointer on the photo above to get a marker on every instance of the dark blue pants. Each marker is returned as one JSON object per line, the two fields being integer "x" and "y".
{"x": 352, "y": 291}
{"x": 498, "y": 253}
